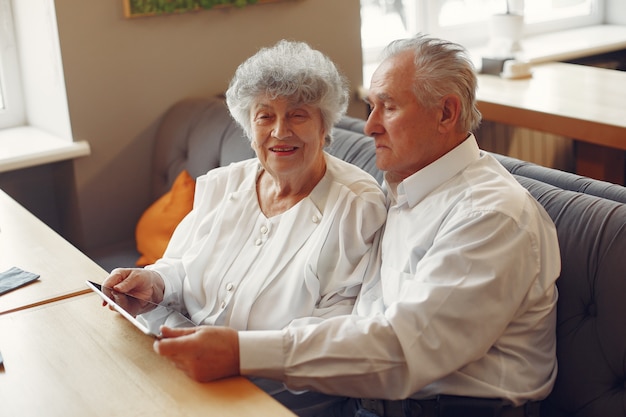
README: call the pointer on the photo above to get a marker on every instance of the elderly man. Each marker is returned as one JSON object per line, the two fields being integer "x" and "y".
{"x": 461, "y": 321}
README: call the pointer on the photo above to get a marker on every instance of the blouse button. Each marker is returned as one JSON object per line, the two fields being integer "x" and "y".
{"x": 229, "y": 286}
{"x": 264, "y": 230}
{"x": 315, "y": 219}
{"x": 223, "y": 305}
{"x": 258, "y": 242}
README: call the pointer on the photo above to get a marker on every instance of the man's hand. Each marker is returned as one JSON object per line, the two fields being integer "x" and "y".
{"x": 204, "y": 353}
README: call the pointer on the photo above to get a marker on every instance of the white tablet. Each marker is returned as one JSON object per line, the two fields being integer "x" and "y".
{"x": 145, "y": 315}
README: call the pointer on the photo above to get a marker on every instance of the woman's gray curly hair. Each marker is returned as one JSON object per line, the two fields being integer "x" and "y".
{"x": 291, "y": 70}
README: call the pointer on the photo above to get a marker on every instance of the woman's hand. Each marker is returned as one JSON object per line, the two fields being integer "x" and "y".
{"x": 138, "y": 282}
{"x": 204, "y": 353}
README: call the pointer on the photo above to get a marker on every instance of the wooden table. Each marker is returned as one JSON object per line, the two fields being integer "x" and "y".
{"x": 77, "y": 358}
{"x": 28, "y": 243}
{"x": 579, "y": 102}
{"x": 66, "y": 355}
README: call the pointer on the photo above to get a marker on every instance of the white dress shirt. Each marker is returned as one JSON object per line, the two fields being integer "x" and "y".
{"x": 465, "y": 304}
{"x": 228, "y": 264}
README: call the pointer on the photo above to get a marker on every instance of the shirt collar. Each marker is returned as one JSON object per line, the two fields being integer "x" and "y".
{"x": 417, "y": 186}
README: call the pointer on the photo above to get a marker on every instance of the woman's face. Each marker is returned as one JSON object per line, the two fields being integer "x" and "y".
{"x": 288, "y": 138}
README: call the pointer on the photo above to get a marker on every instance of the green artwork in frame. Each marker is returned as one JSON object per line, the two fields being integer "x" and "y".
{"x": 140, "y": 8}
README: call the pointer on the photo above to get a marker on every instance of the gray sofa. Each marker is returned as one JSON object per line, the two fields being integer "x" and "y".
{"x": 198, "y": 134}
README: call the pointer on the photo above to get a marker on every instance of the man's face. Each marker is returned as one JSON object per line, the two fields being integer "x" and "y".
{"x": 405, "y": 132}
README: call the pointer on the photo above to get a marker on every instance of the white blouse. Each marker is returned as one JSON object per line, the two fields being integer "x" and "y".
{"x": 228, "y": 264}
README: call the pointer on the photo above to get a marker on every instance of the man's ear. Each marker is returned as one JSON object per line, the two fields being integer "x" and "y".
{"x": 450, "y": 107}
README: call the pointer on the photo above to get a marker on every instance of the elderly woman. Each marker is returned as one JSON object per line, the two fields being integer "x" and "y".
{"x": 285, "y": 236}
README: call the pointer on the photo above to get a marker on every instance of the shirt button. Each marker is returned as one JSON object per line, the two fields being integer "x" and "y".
{"x": 223, "y": 305}
{"x": 229, "y": 286}
{"x": 258, "y": 242}
{"x": 264, "y": 230}
{"x": 315, "y": 219}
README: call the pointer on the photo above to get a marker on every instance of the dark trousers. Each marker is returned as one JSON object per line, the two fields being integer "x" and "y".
{"x": 445, "y": 406}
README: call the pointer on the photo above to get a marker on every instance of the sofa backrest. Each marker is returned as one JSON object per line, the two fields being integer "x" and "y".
{"x": 196, "y": 134}
{"x": 564, "y": 180}
{"x": 357, "y": 149}
{"x": 591, "y": 311}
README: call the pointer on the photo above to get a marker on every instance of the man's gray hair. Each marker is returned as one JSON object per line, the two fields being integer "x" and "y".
{"x": 441, "y": 67}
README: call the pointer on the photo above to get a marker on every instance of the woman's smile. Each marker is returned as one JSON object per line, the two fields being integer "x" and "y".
{"x": 284, "y": 149}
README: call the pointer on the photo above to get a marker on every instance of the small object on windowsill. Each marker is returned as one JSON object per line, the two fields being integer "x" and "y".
{"x": 493, "y": 66}
{"x": 515, "y": 70}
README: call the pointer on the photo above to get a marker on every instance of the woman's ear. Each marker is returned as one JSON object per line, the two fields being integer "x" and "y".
{"x": 450, "y": 113}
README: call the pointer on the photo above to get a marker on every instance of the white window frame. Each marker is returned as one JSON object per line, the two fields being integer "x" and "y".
{"x": 477, "y": 33}
{"x": 423, "y": 16}
{"x": 12, "y": 112}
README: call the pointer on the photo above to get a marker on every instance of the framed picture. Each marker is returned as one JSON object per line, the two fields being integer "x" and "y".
{"x": 143, "y": 8}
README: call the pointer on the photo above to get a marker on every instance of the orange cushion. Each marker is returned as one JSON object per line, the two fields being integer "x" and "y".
{"x": 156, "y": 225}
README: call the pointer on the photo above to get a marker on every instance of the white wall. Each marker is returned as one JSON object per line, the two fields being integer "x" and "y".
{"x": 122, "y": 74}
{"x": 615, "y": 12}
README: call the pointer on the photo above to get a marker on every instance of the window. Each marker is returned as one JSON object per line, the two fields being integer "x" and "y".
{"x": 11, "y": 102}
{"x": 464, "y": 21}
{"x": 34, "y": 117}
{"x": 467, "y": 20}
{"x": 31, "y": 69}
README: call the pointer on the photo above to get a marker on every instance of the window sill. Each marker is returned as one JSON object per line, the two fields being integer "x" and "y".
{"x": 24, "y": 147}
